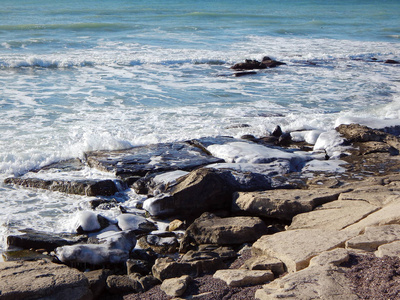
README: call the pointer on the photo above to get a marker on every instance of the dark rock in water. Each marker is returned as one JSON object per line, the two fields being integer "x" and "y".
{"x": 210, "y": 229}
{"x": 255, "y": 64}
{"x": 40, "y": 240}
{"x": 103, "y": 204}
{"x": 277, "y": 132}
{"x": 78, "y": 187}
{"x": 391, "y": 61}
{"x": 285, "y": 140}
{"x": 241, "y": 74}
{"x": 248, "y": 137}
{"x": 150, "y": 159}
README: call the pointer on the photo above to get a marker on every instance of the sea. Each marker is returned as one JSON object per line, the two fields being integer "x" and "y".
{"x": 84, "y": 75}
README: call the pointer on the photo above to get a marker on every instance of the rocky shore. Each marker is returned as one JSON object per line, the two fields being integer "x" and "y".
{"x": 299, "y": 215}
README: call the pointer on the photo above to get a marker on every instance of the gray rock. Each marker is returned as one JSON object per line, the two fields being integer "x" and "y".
{"x": 32, "y": 239}
{"x": 150, "y": 159}
{"x": 42, "y": 280}
{"x": 210, "y": 229}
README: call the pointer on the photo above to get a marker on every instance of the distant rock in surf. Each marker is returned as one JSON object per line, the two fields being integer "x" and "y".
{"x": 250, "y": 64}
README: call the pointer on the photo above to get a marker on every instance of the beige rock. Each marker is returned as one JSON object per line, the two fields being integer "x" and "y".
{"x": 240, "y": 277}
{"x": 391, "y": 249}
{"x": 389, "y": 214}
{"x": 321, "y": 280}
{"x": 264, "y": 263}
{"x": 283, "y": 204}
{"x": 176, "y": 225}
{"x": 39, "y": 279}
{"x": 333, "y": 215}
{"x": 374, "y": 237}
{"x": 175, "y": 287}
{"x": 377, "y": 195}
{"x": 295, "y": 248}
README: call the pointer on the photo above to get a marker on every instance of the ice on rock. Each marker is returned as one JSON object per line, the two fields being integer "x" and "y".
{"x": 276, "y": 167}
{"x": 87, "y": 220}
{"x": 331, "y": 142}
{"x": 130, "y": 221}
{"x": 113, "y": 247}
{"x": 251, "y": 153}
{"x": 308, "y": 136}
{"x": 169, "y": 177}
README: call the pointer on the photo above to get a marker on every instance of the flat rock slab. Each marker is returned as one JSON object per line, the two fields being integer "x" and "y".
{"x": 282, "y": 204}
{"x": 34, "y": 280}
{"x": 390, "y": 214}
{"x": 377, "y": 195}
{"x": 319, "y": 281}
{"x": 78, "y": 187}
{"x": 391, "y": 249}
{"x": 138, "y": 161}
{"x": 334, "y": 215}
{"x": 264, "y": 263}
{"x": 374, "y": 237}
{"x": 242, "y": 277}
{"x": 295, "y": 248}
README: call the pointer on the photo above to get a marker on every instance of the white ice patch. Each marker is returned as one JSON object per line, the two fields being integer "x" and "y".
{"x": 242, "y": 152}
{"x": 130, "y": 221}
{"x": 87, "y": 220}
{"x": 169, "y": 177}
{"x": 331, "y": 142}
{"x": 330, "y": 166}
{"x": 280, "y": 167}
{"x": 155, "y": 205}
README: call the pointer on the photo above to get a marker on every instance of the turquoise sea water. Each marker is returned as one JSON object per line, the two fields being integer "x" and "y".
{"x": 102, "y": 74}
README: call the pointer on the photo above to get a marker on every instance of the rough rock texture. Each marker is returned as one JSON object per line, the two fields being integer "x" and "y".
{"x": 374, "y": 237}
{"x": 210, "y": 229}
{"x": 79, "y": 187}
{"x": 323, "y": 279}
{"x": 121, "y": 284}
{"x": 333, "y": 215}
{"x": 152, "y": 158}
{"x": 244, "y": 277}
{"x": 175, "y": 287}
{"x": 282, "y": 204}
{"x": 33, "y": 280}
{"x": 295, "y": 248}
{"x": 97, "y": 281}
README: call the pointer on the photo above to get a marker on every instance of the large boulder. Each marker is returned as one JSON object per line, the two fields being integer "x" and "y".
{"x": 282, "y": 204}
{"x": 210, "y": 229}
{"x": 42, "y": 280}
